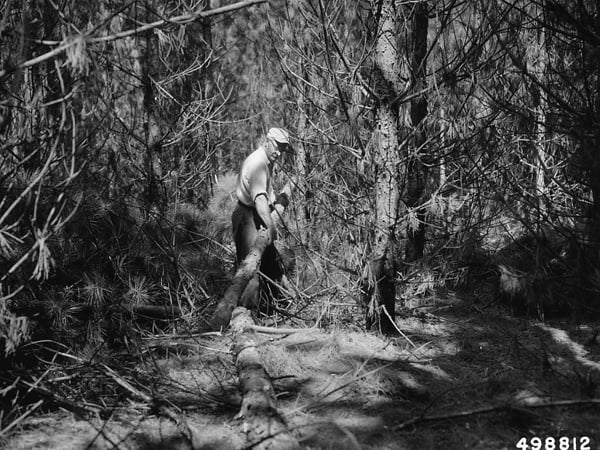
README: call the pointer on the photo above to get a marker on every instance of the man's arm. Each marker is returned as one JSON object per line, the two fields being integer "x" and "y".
{"x": 264, "y": 211}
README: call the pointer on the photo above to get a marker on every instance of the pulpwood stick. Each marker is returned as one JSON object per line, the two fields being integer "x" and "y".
{"x": 247, "y": 270}
{"x": 249, "y": 267}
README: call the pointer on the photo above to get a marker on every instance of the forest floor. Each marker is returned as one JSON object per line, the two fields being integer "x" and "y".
{"x": 461, "y": 375}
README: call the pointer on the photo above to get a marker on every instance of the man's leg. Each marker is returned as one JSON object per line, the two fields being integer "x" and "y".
{"x": 244, "y": 231}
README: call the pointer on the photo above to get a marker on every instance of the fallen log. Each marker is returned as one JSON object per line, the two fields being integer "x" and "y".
{"x": 265, "y": 428}
{"x": 43, "y": 310}
{"x": 154, "y": 312}
{"x": 222, "y": 314}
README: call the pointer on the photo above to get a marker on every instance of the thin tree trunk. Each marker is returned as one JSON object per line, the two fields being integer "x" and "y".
{"x": 540, "y": 165}
{"x": 442, "y": 162}
{"x": 379, "y": 277}
{"x": 302, "y": 159}
{"x": 199, "y": 47}
{"x": 150, "y": 71}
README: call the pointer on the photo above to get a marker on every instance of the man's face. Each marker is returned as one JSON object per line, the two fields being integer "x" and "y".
{"x": 274, "y": 150}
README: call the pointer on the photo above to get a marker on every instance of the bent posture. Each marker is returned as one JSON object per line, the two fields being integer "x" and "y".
{"x": 253, "y": 211}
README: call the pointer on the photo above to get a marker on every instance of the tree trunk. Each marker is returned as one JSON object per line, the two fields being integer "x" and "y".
{"x": 379, "y": 276}
{"x": 537, "y": 61}
{"x": 199, "y": 87}
{"x": 151, "y": 63}
{"x": 302, "y": 159}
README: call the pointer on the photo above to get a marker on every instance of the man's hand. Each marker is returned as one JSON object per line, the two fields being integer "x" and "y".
{"x": 282, "y": 199}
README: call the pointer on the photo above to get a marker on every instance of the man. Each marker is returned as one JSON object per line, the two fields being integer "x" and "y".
{"x": 254, "y": 191}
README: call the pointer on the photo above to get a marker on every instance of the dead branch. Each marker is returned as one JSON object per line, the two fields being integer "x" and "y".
{"x": 4, "y": 431}
{"x": 273, "y": 330}
{"x": 80, "y": 409}
{"x": 139, "y": 395}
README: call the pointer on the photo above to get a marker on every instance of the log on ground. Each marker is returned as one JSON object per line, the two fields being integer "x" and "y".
{"x": 265, "y": 427}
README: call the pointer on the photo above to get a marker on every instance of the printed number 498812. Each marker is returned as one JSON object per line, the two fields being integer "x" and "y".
{"x": 550, "y": 443}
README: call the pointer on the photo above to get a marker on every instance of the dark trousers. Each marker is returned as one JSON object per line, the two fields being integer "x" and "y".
{"x": 246, "y": 223}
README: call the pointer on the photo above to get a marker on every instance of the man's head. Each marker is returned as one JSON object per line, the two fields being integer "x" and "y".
{"x": 278, "y": 141}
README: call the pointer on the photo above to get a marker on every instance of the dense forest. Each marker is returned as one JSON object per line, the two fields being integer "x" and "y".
{"x": 445, "y": 165}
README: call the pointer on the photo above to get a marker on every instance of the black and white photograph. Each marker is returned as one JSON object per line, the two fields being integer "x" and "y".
{"x": 299, "y": 224}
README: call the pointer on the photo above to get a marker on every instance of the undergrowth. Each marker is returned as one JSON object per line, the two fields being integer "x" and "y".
{"x": 112, "y": 269}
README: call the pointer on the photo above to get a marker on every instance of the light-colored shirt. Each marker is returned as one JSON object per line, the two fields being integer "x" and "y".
{"x": 254, "y": 178}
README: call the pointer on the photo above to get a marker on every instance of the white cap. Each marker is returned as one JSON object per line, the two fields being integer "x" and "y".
{"x": 279, "y": 135}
